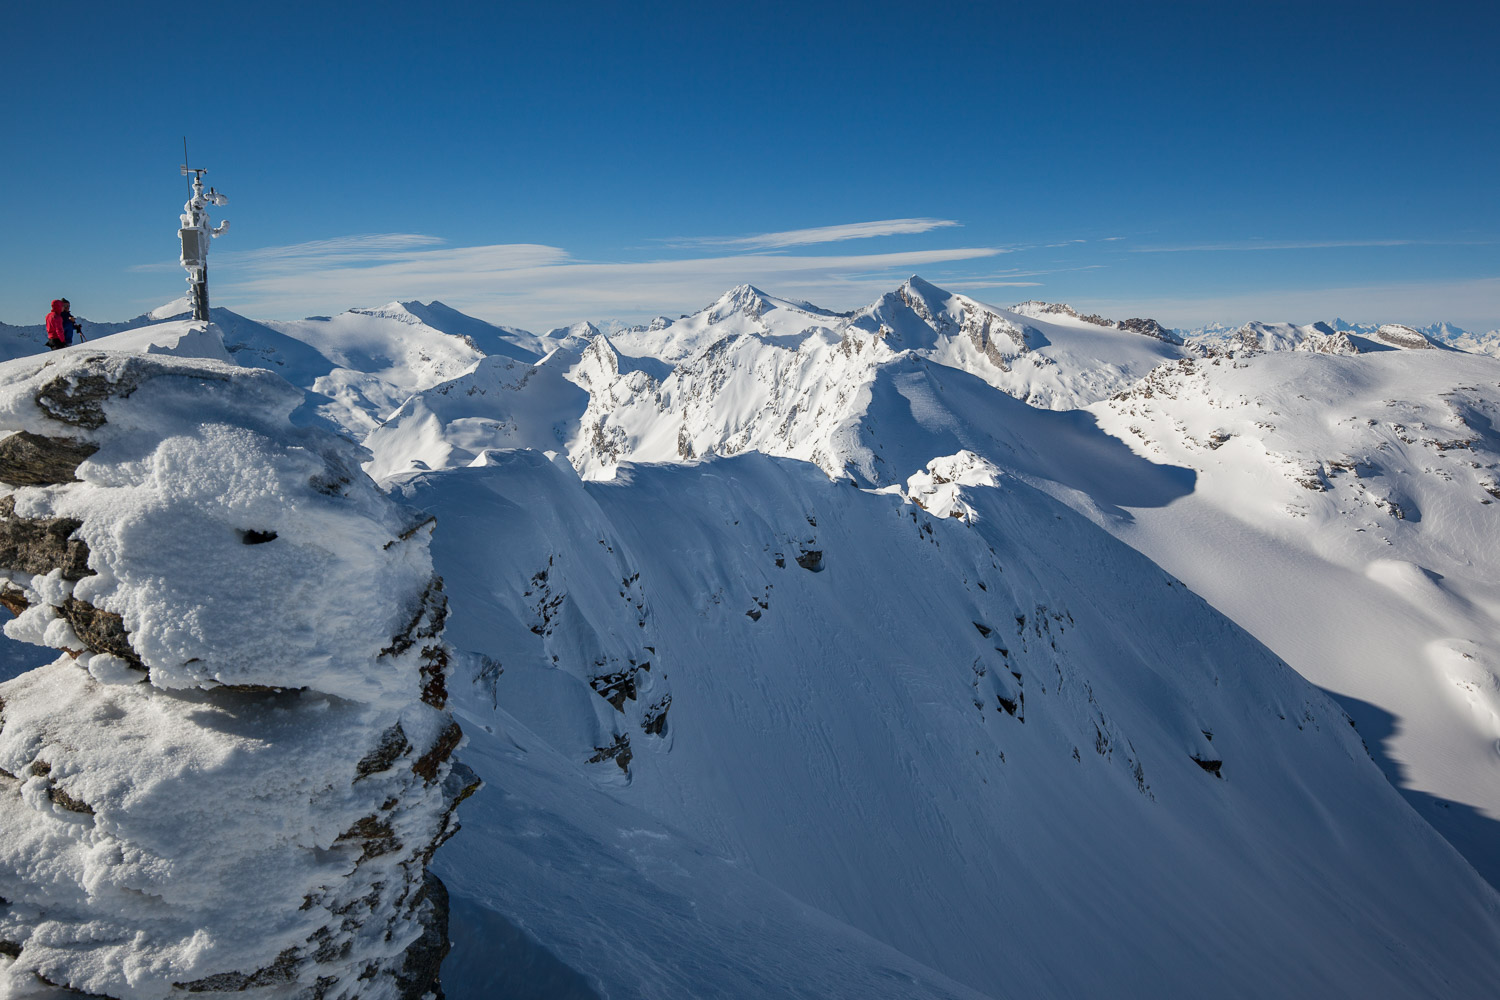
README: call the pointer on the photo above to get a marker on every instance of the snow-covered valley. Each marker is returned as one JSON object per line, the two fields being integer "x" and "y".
{"x": 932, "y": 649}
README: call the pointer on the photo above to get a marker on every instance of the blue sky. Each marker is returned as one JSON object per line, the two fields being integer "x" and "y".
{"x": 541, "y": 164}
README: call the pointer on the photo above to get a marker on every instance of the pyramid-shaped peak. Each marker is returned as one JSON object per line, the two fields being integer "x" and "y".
{"x": 919, "y": 285}
{"x": 742, "y": 299}
{"x": 744, "y": 296}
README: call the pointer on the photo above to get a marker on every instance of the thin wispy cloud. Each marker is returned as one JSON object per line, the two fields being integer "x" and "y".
{"x": 368, "y": 248}
{"x": 365, "y": 248}
{"x": 819, "y": 234}
{"x": 539, "y": 286}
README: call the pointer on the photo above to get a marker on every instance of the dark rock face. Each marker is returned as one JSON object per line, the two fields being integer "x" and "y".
{"x": 1149, "y": 328}
{"x": 40, "y": 545}
{"x": 619, "y": 751}
{"x": 78, "y": 399}
{"x": 418, "y": 975}
{"x": 100, "y": 631}
{"x": 28, "y": 459}
{"x": 393, "y": 746}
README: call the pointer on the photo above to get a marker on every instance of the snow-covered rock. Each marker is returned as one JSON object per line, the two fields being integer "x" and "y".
{"x": 234, "y": 774}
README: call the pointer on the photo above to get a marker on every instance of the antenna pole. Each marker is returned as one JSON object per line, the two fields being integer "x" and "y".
{"x": 195, "y": 234}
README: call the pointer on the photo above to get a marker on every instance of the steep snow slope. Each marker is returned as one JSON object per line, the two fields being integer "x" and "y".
{"x": 1344, "y": 515}
{"x": 1005, "y": 745}
{"x": 854, "y": 406}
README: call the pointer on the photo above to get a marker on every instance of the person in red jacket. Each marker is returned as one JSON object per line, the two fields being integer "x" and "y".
{"x": 61, "y": 325}
{"x": 57, "y": 331}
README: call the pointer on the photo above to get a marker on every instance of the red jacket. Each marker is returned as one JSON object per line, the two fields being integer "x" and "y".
{"x": 55, "y": 329}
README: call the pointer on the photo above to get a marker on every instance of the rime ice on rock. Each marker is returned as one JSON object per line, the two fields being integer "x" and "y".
{"x": 235, "y": 773}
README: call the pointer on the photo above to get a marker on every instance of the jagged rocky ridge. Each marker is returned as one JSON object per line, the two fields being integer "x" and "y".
{"x": 235, "y": 773}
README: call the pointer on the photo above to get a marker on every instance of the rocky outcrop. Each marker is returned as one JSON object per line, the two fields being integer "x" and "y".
{"x": 1149, "y": 328}
{"x": 235, "y": 774}
{"x": 1403, "y": 337}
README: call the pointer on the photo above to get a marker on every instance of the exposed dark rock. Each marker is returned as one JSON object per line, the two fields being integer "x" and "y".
{"x": 13, "y": 599}
{"x": 283, "y": 970}
{"x": 411, "y": 530}
{"x": 1211, "y": 766}
{"x": 63, "y": 800}
{"x": 1149, "y": 328}
{"x": 253, "y": 537}
{"x": 811, "y": 559}
{"x": 426, "y": 766}
{"x": 620, "y": 686}
{"x": 79, "y": 399}
{"x": 61, "y": 992}
{"x": 38, "y": 545}
{"x": 28, "y": 459}
{"x": 435, "y": 675}
{"x": 418, "y": 975}
{"x": 375, "y": 834}
{"x": 10, "y": 949}
{"x": 393, "y": 746}
{"x": 655, "y": 721}
{"x": 426, "y": 620}
{"x": 984, "y": 630}
{"x": 100, "y": 631}
{"x": 618, "y": 751}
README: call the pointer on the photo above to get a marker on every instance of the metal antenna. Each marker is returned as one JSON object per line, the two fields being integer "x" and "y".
{"x": 196, "y": 234}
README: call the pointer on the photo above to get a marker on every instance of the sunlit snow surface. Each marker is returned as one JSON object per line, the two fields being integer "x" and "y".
{"x": 951, "y": 751}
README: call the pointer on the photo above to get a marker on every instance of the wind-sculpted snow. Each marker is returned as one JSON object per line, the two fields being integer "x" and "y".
{"x": 740, "y": 680}
{"x": 234, "y": 774}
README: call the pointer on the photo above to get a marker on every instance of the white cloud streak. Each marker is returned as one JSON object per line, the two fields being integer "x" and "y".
{"x": 367, "y": 248}
{"x": 538, "y": 286}
{"x": 820, "y": 234}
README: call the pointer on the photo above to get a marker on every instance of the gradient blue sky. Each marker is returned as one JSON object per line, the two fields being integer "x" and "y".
{"x": 540, "y": 164}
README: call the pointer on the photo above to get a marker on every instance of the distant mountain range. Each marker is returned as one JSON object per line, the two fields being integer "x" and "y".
{"x": 935, "y": 649}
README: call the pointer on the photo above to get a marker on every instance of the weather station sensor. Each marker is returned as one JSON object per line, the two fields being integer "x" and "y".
{"x": 196, "y": 234}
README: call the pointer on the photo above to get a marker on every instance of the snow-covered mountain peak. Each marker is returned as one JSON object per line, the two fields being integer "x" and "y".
{"x": 1318, "y": 338}
{"x": 1403, "y": 337}
{"x": 745, "y": 299}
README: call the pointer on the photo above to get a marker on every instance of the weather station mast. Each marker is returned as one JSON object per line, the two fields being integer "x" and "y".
{"x": 196, "y": 233}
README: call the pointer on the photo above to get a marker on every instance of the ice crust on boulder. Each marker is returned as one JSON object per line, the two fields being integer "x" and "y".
{"x": 235, "y": 772}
